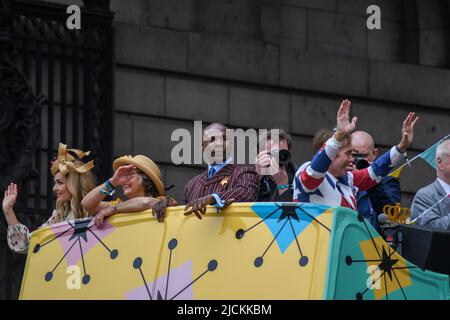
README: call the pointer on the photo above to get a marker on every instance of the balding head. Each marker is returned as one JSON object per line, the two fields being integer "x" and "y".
{"x": 216, "y": 147}
{"x": 443, "y": 160}
{"x": 216, "y": 126}
{"x": 363, "y": 140}
{"x": 362, "y": 143}
{"x": 443, "y": 149}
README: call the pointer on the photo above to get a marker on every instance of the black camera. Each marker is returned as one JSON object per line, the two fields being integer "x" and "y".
{"x": 361, "y": 162}
{"x": 284, "y": 156}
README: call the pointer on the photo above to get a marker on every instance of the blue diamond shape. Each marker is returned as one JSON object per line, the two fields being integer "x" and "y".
{"x": 286, "y": 237}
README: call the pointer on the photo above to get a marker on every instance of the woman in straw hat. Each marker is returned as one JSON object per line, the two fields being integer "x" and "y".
{"x": 140, "y": 179}
{"x": 73, "y": 179}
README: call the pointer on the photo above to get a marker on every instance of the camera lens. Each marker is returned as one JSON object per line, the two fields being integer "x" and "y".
{"x": 284, "y": 156}
{"x": 361, "y": 163}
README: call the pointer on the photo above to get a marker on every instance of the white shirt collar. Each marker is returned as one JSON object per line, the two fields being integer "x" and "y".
{"x": 444, "y": 185}
{"x": 218, "y": 167}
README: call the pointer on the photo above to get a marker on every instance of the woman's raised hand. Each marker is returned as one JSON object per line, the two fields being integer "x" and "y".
{"x": 10, "y": 198}
{"x": 122, "y": 175}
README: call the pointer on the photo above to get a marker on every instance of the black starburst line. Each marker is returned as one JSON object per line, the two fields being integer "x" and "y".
{"x": 372, "y": 260}
{"x": 385, "y": 288}
{"x": 385, "y": 285}
{"x": 168, "y": 274}
{"x": 295, "y": 236}
{"x": 71, "y": 225}
{"x": 145, "y": 283}
{"x": 393, "y": 271}
{"x": 373, "y": 282}
{"x": 408, "y": 267}
{"x": 398, "y": 282}
{"x": 259, "y": 222}
{"x": 74, "y": 243}
{"x": 190, "y": 284}
{"x": 59, "y": 235}
{"x": 99, "y": 240}
{"x": 371, "y": 238}
{"x": 313, "y": 218}
{"x": 82, "y": 256}
{"x": 391, "y": 252}
{"x": 276, "y": 236}
{"x": 38, "y": 247}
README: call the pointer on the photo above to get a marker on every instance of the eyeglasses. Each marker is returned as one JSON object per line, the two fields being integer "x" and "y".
{"x": 360, "y": 155}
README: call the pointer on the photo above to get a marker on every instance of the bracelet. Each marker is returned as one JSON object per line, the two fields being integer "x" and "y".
{"x": 109, "y": 186}
{"x": 283, "y": 186}
{"x": 405, "y": 155}
{"x": 110, "y": 190}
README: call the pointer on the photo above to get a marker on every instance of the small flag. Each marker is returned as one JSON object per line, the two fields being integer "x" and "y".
{"x": 429, "y": 155}
{"x": 397, "y": 172}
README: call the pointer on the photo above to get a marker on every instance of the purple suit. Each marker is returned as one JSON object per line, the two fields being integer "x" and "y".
{"x": 233, "y": 183}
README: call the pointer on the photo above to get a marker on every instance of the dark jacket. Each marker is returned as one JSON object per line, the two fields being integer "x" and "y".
{"x": 387, "y": 192}
{"x": 268, "y": 191}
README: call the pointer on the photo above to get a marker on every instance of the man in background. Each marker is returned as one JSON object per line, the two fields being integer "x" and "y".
{"x": 387, "y": 192}
{"x": 431, "y": 205}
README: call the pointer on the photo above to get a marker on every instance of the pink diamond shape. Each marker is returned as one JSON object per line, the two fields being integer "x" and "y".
{"x": 74, "y": 256}
{"x": 179, "y": 278}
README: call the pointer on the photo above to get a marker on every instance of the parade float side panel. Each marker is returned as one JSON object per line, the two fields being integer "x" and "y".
{"x": 246, "y": 251}
{"x": 363, "y": 266}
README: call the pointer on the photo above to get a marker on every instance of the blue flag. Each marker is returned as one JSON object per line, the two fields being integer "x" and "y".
{"x": 429, "y": 155}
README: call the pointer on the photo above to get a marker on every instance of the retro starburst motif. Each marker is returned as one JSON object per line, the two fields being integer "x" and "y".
{"x": 389, "y": 267}
{"x": 293, "y": 214}
{"x": 171, "y": 286}
{"x": 83, "y": 235}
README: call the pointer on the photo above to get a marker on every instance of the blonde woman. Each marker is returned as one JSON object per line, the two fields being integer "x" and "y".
{"x": 73, "y": 179}
{"x": 140, "y": 179}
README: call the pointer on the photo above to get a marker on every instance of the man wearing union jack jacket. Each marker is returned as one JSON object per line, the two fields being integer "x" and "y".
{"x": 326, "y": 179}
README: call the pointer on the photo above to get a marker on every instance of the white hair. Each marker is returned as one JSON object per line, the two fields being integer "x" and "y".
{"x": 443, "y": 149}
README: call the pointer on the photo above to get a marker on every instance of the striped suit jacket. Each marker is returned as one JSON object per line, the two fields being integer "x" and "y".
{"x": 233, "y": 183}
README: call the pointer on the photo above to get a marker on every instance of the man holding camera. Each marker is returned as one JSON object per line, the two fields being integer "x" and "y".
{"x": 372, "y": 201}
{"x": 276, "y": 187}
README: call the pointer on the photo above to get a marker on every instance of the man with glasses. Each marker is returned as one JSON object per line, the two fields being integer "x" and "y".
{"x": 371, "y": 202}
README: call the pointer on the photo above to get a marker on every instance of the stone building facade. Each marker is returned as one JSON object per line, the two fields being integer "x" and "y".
{"x": 278, "y": 63}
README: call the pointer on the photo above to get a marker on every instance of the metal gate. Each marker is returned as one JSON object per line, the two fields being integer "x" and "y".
{"x": 56, "y": 85}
